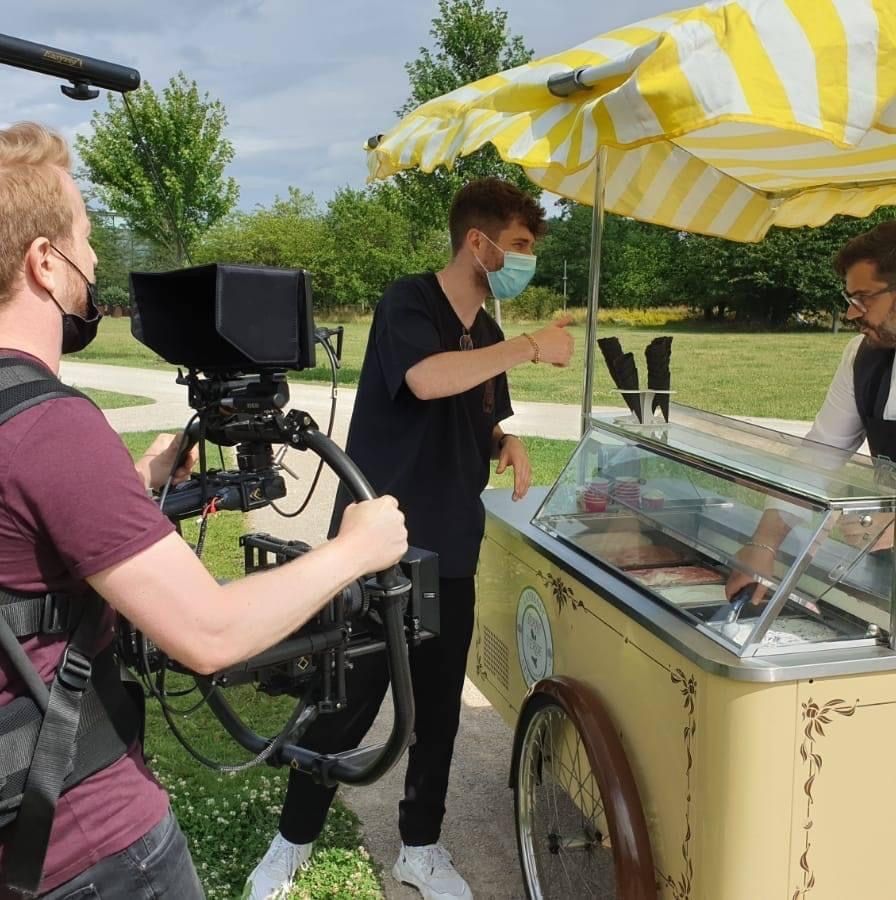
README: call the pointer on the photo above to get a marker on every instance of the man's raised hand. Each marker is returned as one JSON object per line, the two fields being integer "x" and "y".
{"x": 555, "y": 343}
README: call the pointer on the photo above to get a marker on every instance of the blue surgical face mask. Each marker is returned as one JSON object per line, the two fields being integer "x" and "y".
{"x": 513, "y": 277}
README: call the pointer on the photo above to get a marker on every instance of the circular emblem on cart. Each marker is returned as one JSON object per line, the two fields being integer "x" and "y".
{"x": 533, "y": 637}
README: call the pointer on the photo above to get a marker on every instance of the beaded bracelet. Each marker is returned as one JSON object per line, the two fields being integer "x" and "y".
{"x": 761, "y": 547}
{"x": 535, "y": 346}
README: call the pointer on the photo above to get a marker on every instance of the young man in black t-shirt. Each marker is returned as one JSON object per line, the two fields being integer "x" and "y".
{"x": 426, "y": 424}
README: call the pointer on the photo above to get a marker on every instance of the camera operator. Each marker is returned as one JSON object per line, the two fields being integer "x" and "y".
{"x": 426, "y": 422}
{"x": 75, "y": 518}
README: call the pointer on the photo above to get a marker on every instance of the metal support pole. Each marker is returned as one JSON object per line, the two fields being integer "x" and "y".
{"x": 564, "y": 285}
{"x": 597, "y": 229}
{"x": 892, "y": 641}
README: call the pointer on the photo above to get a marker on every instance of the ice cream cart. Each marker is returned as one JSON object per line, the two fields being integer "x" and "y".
{"x": 661, "y": 730}
{"x": 669, "y": 743}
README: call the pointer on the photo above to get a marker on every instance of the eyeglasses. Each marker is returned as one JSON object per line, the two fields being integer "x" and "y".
{"x": 860, "y": 301}
{"x": 466, "y": 341}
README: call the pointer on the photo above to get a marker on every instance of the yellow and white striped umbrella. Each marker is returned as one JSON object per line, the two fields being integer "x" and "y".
{"x": 724, "y": 119}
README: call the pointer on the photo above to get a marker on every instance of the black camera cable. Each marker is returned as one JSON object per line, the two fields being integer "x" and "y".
{"x": 274, "y": 744}
{"x": 181, "y": 450}
{"x": 159, "y": 693}
{"x": 208, "y": 503}
{"x": 334, "y": 365}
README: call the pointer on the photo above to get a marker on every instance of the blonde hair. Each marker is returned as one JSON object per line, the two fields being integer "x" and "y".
{"x": 33, "y": 203}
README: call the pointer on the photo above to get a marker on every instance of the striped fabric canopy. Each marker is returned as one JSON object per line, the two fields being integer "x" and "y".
{"x": 724, "y": 119}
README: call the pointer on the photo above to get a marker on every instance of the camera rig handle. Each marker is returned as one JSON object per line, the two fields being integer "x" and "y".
{"x": 367, "y": 764}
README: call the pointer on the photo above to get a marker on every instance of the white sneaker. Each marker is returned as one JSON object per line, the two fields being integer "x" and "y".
{"x": 430, "y": 870}
{"x": 272, "y": 877}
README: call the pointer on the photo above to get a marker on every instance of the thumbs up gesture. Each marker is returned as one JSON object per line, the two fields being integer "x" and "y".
{"x": 555, "y": 343}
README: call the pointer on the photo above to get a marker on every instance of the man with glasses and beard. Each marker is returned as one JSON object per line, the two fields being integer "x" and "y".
{"x": 426, "y": 423}
{"x": 861, "y": 400}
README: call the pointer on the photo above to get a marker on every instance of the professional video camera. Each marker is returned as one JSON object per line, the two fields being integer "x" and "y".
{"x": 237, "y": 330}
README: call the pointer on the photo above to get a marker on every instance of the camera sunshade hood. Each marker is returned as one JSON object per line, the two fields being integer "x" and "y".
{"x": 225, "y": 318}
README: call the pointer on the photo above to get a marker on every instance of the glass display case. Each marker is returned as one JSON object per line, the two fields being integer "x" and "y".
{"x": 682, "y": 509}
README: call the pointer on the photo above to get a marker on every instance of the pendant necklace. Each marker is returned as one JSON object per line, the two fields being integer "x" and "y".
{"x": 466, "y": 339}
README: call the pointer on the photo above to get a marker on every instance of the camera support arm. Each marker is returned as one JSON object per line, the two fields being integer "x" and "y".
{"x": 366, "y": 765}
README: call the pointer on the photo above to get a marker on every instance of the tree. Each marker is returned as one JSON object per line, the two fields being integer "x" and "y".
{"x": 637, "y": 258}
{"x": 291, "y": 234}
{"x": 287, "y": 234}
{"x": 637, "y": 268}
{"x": 787, "y": 273}
{"x": 470, "y": 42}
{"x": 119, "y": 251}
{"x": 790, "y": 271}
{"x": 353, "y": 250}
{"x": 371, "y": 241}
{"x": 110, "y": 242}
{"x": 184, "y": 145}
{"x": 568, "y": 241}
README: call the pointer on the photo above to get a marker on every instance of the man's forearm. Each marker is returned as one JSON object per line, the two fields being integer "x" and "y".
{"x": 772, "y": 529}
{"x": 455, "y": 372}
{"x": 269, "y": 606}
{"x": 207, "y": 627}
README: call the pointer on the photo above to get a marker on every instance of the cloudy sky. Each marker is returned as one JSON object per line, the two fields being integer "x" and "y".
{"x": 304, "y": 83}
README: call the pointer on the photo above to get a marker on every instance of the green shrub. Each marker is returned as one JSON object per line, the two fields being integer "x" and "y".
{"x": 114, "y": 297}
{"x": 646, "y": 317}
{"x": 535, "y": 304}
{"x": 650, "y": 317}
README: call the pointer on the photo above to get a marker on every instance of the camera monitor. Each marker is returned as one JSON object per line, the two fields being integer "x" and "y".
{"x": 222, "y": 318}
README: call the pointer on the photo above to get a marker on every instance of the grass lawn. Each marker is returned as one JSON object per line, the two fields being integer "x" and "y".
{"x": 548, "y": 457}
{"x": 115, "y": 345}
{"x": 114, "y": 400}
{"x": 230, "y": 819}
{"x": 784, "y": 375}
{"x": 779, "y": 375}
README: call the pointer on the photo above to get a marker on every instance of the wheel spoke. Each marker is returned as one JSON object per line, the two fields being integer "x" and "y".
{"x": 561, "y": 819}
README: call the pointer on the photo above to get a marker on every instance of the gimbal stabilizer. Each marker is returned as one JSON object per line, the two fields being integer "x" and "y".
{"x": 237, "y": 329}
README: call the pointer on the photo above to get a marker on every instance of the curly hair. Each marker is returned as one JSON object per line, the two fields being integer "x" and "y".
{"x": 33, "y": 203}
{"x": 491, "y": 204}
{"x": 877, "y": 246}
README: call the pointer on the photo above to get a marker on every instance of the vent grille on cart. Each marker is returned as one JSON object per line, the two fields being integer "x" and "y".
{"x": 494, "y": 656}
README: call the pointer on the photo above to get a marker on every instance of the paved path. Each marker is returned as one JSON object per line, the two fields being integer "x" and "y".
{"x": 479, "y": 828}
{"x": 555, "y": 420}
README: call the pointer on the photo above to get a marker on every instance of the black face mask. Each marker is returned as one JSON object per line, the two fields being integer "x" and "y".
{"x": 78, "y": 331}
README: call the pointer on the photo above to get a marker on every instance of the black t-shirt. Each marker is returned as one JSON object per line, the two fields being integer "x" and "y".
{"x": 432, "y": 455}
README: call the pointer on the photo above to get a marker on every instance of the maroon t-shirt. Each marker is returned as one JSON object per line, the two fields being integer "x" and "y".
{"x": 71, "y": 505}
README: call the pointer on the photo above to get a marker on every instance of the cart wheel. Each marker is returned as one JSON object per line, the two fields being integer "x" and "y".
{"x": 579, "y": 824}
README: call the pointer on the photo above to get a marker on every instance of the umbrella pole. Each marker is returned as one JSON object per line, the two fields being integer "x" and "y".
{"x": 597, "y": 231}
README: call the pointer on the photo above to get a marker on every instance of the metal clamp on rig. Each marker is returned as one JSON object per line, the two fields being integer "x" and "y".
{"x": 377, "y": 591}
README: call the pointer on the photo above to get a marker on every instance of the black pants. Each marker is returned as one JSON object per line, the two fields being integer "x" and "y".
{"x": 438, "y": 666}
{"x": 154, "y": 866}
